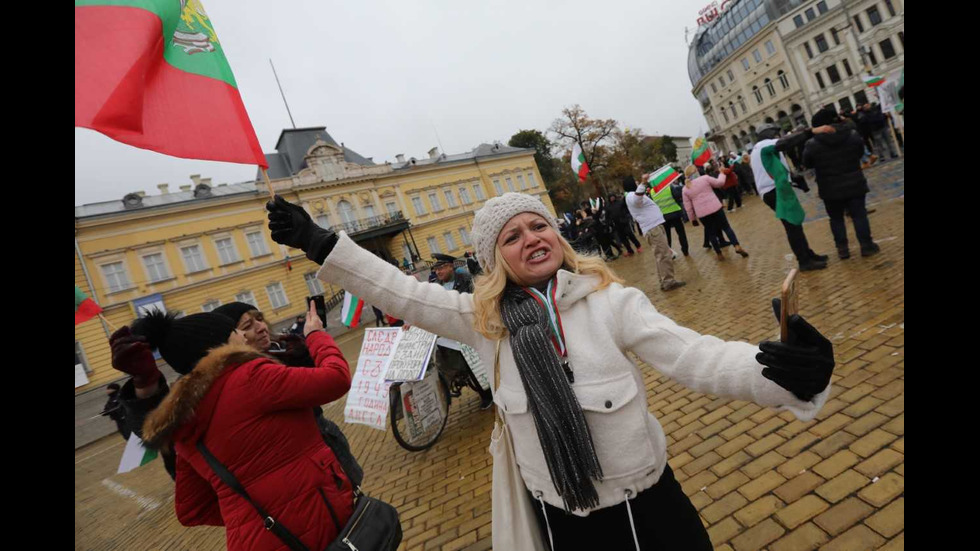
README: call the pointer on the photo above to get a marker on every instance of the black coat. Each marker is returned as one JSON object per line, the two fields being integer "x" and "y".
{"x": 836, "y": 160}
{"x": 618, "y": 214}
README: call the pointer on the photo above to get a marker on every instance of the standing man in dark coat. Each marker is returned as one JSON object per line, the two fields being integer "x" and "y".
{"x": 622, "y": 223}
{"x": 836, "y": 159}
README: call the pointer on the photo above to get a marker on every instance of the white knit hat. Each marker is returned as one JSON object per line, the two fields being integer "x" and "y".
{"x": 495, "y": 213}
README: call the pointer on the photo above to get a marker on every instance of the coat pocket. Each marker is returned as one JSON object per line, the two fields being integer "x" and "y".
{"x": 617, "y": 418}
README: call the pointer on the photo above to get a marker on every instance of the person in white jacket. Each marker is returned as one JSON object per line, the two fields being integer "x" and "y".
{"x": 589, "y": 452}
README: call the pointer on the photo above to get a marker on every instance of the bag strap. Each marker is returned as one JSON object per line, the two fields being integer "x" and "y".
{"x": 496, "y": 380}
{"x": 268, "y": 521}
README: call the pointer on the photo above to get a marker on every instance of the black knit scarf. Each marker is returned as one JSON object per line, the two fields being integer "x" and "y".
{"x": 558, "y": 417}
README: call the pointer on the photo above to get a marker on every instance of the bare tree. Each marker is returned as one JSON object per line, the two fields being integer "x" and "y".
{"x": 593, "y": 135}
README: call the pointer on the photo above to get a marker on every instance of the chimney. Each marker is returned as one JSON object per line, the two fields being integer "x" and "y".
{"x": 206, "y": 181}
{"x": 196, "y": 178}
{"x": 434, "y": 153}
{"x": 400, "y": 157}
{"x": 185, "y": 187}
{"x": 164, "y": 188}
{"x": 141, "y": 193}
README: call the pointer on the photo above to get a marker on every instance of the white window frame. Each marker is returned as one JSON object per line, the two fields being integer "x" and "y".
{"x": 532, "y": 179}
{"x": 200, "y": 256}
{"x": 464, "y": 235}
{"x": 276, "y": 286}
{"x": 248, "y": 297}
{"x": 464, "y": 195}
{"x": 122, "y": 275}
{"x": 418, "y": 206}
{"x": 745, "y": 64}
{"x": 521, "y": 183}
{"x": 510, "y": 183}
{"x": 234, "y": 250}
{"x": 433, "y": 245}
{"x": 162, "y": 266}
{"x": 313, "y": 284}
{"x": 478, "y": 190}
{"x": 757, "y": 56}
{"x": 210, "y": 305}
{"x": 391, "y": 207}
{"x": 450, "y": 198}
{"x": 323, "y": 220}
{"x": 498, "y": 187}
{"x": 450, "y": 241}
{"x": 369, "y": 212}
{"x": 434, "y": 201}
{"x": 259, "y": 241}
{"x": 770, "y": 48}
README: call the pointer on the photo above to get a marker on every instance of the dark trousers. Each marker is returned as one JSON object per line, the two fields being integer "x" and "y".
{"x": 664, "y": 517}
{"x": 794, "y": 234}
{"x": 714, "y": 225}
{"x": 678, "y": 225}
{"x": 607, "y": 244}
{"x": 734, "y": 197}
{"x": 625, "y": 233}
{"x": 859, "y": 214}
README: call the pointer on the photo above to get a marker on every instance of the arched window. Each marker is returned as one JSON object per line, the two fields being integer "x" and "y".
{"x": 738, "y": 144}
{"x": 731, "y": 107}
{"x": 752, "y": 133}
{"x": 724, "y": 115}
{"x": 769, "y": 120}
{"x": 783, "y": 80}
{"x": 346, "y": 212}
{"x": 757, "y": 94}
{"x": 770, "y": 88}
{"x": 741, "y": 103}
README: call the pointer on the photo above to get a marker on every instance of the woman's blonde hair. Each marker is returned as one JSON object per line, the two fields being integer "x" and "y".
{"x": 489, "y": 288}
{"x": 690, "y": 173}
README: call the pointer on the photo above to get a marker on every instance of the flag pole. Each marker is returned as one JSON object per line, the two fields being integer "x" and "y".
{"x": 268, "y": 183}
{"x": 107, "y": 322}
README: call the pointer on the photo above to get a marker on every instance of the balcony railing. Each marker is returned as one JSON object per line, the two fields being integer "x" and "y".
{"x": 365, "y": 224}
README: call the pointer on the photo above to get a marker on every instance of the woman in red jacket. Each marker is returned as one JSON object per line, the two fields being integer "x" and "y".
{"x": 253, "y": 414}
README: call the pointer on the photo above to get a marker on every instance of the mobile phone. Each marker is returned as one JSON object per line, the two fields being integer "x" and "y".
{"x": 321, "y": 306}
{"x": 788, "y": 304}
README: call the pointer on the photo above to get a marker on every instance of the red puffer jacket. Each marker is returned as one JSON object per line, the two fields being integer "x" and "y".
{"x": 254, "y": 416}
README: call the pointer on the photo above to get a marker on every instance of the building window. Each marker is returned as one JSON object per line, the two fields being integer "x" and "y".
{"x": 521, "y": 183}
{"x": 770, "y": 48}
{"x": 193, "y": 259}
{"x": 745, "y": 64}
{"x": 857, "y": 22}
{"x": 887, "y": 50}
{"x": 434, "y": 202}
{"x": 901, "y": 38}
{"x": 391, "y": 207}
{"x": 820, "y": 81}
{"x": 845, "y": 104}
{"x": 731, "y": 75}
{"x": 450, "y": 242}
{"x": 874, "y": 16}
{"x": 407, "y": 252}
{"x": 741, "y": 103}
{"x": 465, "y": 236}
{"x": 721, "y": 81}
{"x": 758, "y": 94}
{"x": 724, "y": 115}
{"x": 226, "y": 251}
{"x": 346, "y": 212}
{"x": 835, "y": 35}
{"x": 115, "y": 276}
{"x": 248, "y": 298}
{"x": 783, "y": 79}
{"x": 433, "y": 246}
{"x": 757, "y": 56}
{"x": 809, "y": 50}
{"x": 323, "y": 220}
{"x": 822, "y": 7}
{"x": 450, "y": 198}
{"x": 872, "y": 57}
{"x": 276, "y": 295}
{"x": 861, "y": 97}
{"x": 847, "y": 68}
{"x": 498, "y": 187}
{"x": 464, "y": 195}
{"x": 313, "y": 284}
{"x": 714, "y": 89}
{"x": 810, "y": 15}
{"x": 821, "y": 41}
{"x": 798, "y": 21}
{"x": 890, "y": 7}
{"x": 510, "y": 184}
{"x": 833, "y": 74}
{"x": 369, "y": 212}
{"x": 256, "y": 243}
{"x": 478, "y": 190}
{"x": 770, "y": 88}
{"x": 210, "y": 305}
{"x": 417, "y": 205}
{"x": 530, "y": 178}
{"x": 156, "y": 268}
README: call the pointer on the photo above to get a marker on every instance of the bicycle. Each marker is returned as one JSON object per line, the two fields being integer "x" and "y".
{"x": 410, "y": 430}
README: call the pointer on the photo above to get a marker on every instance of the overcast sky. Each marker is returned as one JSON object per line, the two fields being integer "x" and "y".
{"x": 385, "y": 77}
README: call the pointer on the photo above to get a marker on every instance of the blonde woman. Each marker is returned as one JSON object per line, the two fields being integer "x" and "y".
{"x": 589, "y": 452}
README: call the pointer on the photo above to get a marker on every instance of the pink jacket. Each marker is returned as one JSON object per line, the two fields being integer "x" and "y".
{"x": 699, "y": 199}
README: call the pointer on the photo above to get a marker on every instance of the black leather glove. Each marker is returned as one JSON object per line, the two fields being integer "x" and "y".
{"x": 803, "y": 365}
{"x": 799, "y": 181}
{"x": 292, "y": 226}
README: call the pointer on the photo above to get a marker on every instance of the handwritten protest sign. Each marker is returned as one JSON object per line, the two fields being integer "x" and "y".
{"x": 367, "y": 401}
{"x": 423, "y": 409}
{"x": 411, "y": 356}
{"x": 476, "y": 366}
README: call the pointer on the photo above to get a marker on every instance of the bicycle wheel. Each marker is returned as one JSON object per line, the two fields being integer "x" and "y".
{"x": 418, "y": 430}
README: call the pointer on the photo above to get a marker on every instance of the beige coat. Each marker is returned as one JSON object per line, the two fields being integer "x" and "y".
{"x": 601, "y": 327}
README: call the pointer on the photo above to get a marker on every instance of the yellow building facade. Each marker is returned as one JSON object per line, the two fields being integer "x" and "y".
{"x": 195, "y": 249}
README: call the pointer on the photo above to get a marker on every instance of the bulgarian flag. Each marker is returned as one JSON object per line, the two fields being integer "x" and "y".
{"x": 788, "y": 206}
{"x": 873, "y": 81}
{"x": 661, "y": 179}
{"x": 135, "y": 455}
{"x": 350, "y": 315}
{"x": 152, "y": 74}
{"x": 85, "y": 307}
{"x": 579, "y": 166}
{"x": 701, "y": 153}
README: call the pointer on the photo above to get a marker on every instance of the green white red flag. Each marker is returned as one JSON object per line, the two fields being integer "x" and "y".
{"x": 701, "y": 153}
{"x": 85, "y": 307}
{"x": 579, "y": 166}
{"x": 350, "y": 314}
{"x": 135, "y": 455}
{"x": 874, "y": 81}
{"x": 661, "y": 179}
{"x": 152, "y": 74}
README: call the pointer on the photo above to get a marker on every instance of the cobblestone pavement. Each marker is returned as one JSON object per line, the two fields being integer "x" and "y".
{"x": 760, "y": 479}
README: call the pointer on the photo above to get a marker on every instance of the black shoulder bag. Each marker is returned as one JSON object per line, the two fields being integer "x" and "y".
{"x": 373, "y": 526}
